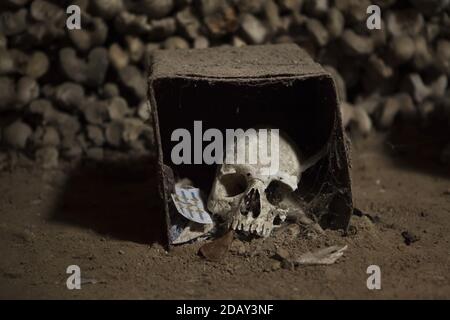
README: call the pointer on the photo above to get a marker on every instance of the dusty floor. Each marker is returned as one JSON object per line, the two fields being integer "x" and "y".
{"x": 101, "y": 220}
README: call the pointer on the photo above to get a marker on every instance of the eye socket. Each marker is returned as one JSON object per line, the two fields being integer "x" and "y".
{"x": 276, "y": 191}
{"x": 233, "y": 184}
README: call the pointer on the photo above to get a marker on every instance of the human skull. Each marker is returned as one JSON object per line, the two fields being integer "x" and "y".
{"x": 247, "y": 196}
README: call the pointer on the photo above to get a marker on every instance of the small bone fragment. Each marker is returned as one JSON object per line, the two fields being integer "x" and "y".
{"x": 175, "y": 42}
{"x": 357, "y": 116}
{"x": 355, "y": 44}
{"x": 118, "y": 108}
{"x": 309, "y": 222}
{"x": 47, "y": 157}
{"x": 95, "y": 134}
{"x": 238, "y": 42}
{"x": 222, "y": 20}
{"x": 27, "y": 90}
{"x": 128, "y": 23}
{"x": 132, "y": 129}
{"x": 71, "y": 152}
{"x": 317, "y": 31}
{"x": 73, "y": 67}
{"x": 163, "y": 28}
{"x": 439, "y": 86}
{"x": 404, "y": 22}
{"x": 45, "y": 11}
{"x": 188, "y": 23}
{"x": 98, "y": 63}
{"x": 355, "y": 11}
{"x": 426, "y": 109}
{"x": 399, "y": 104}
{"x": 110, "y": 90}
{"x": 423, "y": 56}
{"x": 154, "y": 9}
{"x": 144, "y": 110}
{"x": 44, "y": 109}
{"x": 135, "y": 48}
{"x": 253, "y": 30}
{"x": 403, "y": 49}
{"x": 209, "y": 7}
{"x": 69, "y": 95}
{"x": 38, "y": 65}
{"x": 321, "y": 257}
{"x": 108, "y": 8}
{"x": 370, "y": 103}
{"x": 95, "y": 111}
{"x": 133, "y": 79}
{"x": 118, "y": 56}
{"x": 12, "y": 23}
{"x": 17, "y": 134}
{"x": 272, "y": 14}
{"x": 335, "y": 23}
{"x": 296, "y": 213}
{"x": 316, "y": 8}
{"x": 290, "y": 5}
{"x": 91, "y": 72}
{"x": 21, "y": 60}
{"x": 282, "y": 254}
{"x": 50, "y": 137}
{"x": 93, "y": 34}
{"x": 114, "y": 133}
{"x": 217, "y": 249}
{"x": 67, "y": 125}
{"x": 419, "y": 90}
{"x": 7, "y": 64}
{"x": 379, "y": 67}
{"x": 201, "y": 42}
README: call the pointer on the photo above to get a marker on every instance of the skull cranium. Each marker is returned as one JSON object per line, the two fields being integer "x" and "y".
{"x": 246, "y": 196}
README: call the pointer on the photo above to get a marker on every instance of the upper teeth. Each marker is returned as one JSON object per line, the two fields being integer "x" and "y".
{"x": 256, "y": 227}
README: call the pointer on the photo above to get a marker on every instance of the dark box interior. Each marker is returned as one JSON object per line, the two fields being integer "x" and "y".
{"x": 300, "y": 108}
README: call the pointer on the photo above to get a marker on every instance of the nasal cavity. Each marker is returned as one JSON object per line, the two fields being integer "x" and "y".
{"x": 251, "y": 203}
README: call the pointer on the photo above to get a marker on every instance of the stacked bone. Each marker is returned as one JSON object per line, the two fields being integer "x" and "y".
{"x": 81, "y": 93}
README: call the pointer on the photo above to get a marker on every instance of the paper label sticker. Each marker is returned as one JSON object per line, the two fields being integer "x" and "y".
{"x": 192, "y": 231}
{"x": 189, "y": 204}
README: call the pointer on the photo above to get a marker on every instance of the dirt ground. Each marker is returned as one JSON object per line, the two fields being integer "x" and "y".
{"x": 104, "y": 220}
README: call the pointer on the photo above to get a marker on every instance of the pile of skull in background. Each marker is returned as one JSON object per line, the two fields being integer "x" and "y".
{"x": 81, "y": 93}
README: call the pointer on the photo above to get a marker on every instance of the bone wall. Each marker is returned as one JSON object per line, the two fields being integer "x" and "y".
{"x": 70, "y": 94}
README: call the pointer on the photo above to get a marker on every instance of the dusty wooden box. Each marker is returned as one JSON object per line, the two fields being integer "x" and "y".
{"x": 230, "y": 88}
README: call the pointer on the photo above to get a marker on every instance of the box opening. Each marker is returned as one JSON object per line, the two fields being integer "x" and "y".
{"x": 303, "y": 108}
